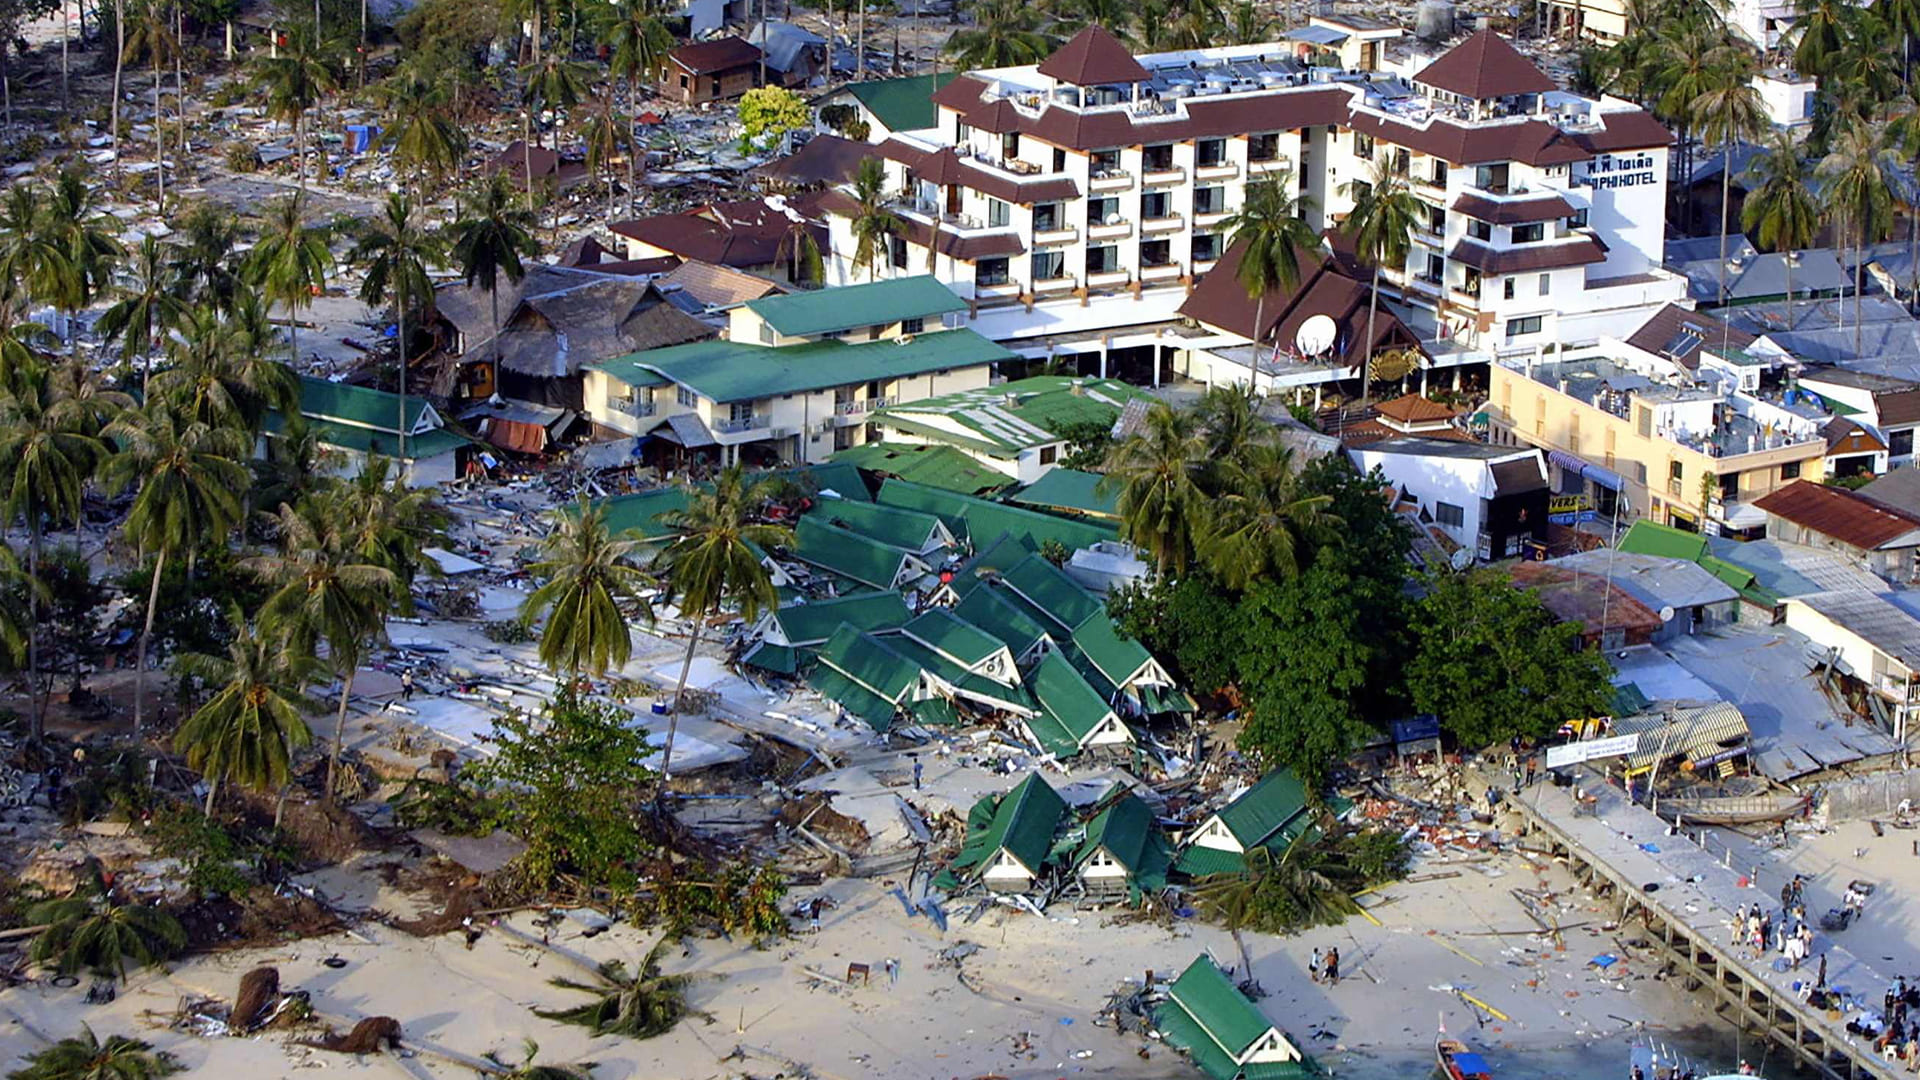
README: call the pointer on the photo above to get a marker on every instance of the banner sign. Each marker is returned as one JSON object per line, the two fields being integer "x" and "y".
{"x": 1591, "y": 749}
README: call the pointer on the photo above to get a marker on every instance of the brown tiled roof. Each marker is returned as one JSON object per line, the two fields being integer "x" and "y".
{"x": 1668, "y": 326}
{"x": 738, "y": 234}
{"x": 720, "y": 54}
{"x": 516, "y": 161}
{"x": 1898, "y": 407}
{"x": 1851, "y": 519}
{"x": 1414, "y": 409}
{"x": 1512, "y": 211}
{"x": 1368, "y": 432}
{"x": 825, "y": 159}
{"x": 1219, "y": 300}
{"x": 1484, "y": 66}
{"x": 943, "y": 166}
{"x": 1846, "y": 437}
{"x": 718, "y": 286}
{"x": 1521, "y": 260}
{"x": 1093, "y": 57}
{"x": 951, "y": 243}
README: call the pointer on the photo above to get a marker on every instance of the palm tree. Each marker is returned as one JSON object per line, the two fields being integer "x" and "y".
{"x": 1307, "y": 885}
{"x": 324, "y": 591}
{"x": 1686, "y": 71}
{"x": 296, "y": 464}
{"x": 1865, "y": 61}
{"x": 1271, "y": 225}
{"x": 1229, "y": 413}
{"x": 1781, "y": 208}
{"x": 248, "y": 732}
{"x": 528, "y": 1070}
{"x": 190, "y": 480}
{"x": 799, "y": 251}
{"x": 1248, "y": 25}
{"x": 47, "y": 451}
{"x": 220, "y": 374}
{"x": 527, "y": 11}
{"x": 1113, "y": 16}
{"x": 586, "y": 574}
{"x": 1257, "y": 525}
{"x": 385, "y": 523}
{"x": 33, "y": 266}
{"x": 553, "y": 85}
{"x": 1818, "y": 33}
{"x": 638, "y": 1006}
{"x": 1384, "y": 213}
{"x": 290, "y": 261}
{"x": 1729, "y": 111}
{"x": 637, "y": 44}
{"x": 871, "y": 221}
{"x": 1005, "y": 33}
{"x": 144, "y": 310}
{"x": 603, "y": 137}
{"x": 85, "y": 1057}
{"x": 1855, "y": 186}
{"x": 1156, "y": 472}
{"x": 1902, "y": 131}
{"x": 394, "y": 252}
{"x": 426, "y": 141}
{"x": 714, "y": 561}
{"x": 153, "y": 37}
{"x": 491, "y": 239}
{"x": 92, "y": 929}
{"x": 295, "y": 81}
{"x": 78, "y": 226}
{"x": 203, "y": 259}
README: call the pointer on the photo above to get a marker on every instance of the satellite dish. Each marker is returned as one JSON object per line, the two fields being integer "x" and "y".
{"x": 1462, "y": 558}
{"x": 1666, "y": 614}
{"x": 1316, "y": 335}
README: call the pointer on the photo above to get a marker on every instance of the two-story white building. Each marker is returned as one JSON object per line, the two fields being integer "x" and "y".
{"x": 1107, "y": 180}
{"x": 797, "y": 377}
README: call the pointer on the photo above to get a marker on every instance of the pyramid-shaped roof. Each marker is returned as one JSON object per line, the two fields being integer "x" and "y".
{"x": 1093, "y": 57}
{"x": 1484, "y": 66}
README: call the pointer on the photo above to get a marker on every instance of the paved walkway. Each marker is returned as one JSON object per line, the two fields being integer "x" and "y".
{"x": 1692, "y": 887}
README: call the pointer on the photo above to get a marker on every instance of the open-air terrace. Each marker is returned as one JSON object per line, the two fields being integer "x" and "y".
{"x": 1700, "y": 418}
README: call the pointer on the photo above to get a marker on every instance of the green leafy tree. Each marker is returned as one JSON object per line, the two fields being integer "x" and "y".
{"x": 713, "y": 563}
{"x": 1088, "y": 444}
{"x": 1005, "y": 33}
{"x": 1782, "y": 210}
{"x": 190, "y": 482}
{"x": 93, "y": 930}
{"x": 1492, "y": 663}
{"x": 1729, "y": 111}
{"x": 249, "y": 730}
{"x": 1257, "y": 527}
{"x": 1385, "y": 211}
{"x": 1306, "y": 670}
{"x": 638, "y": 1005}
{"x": 296, "y": 79}
{"x": 220, "y": 374}
{"x": 1271, "y": 227}
{"x": 1156, "y": 475}
{"x": 1191, "y": 622}
{"x": 146, "y": 308}
{"x": 204, "y": 257}
{"x": 290, "y": 261}
{"x": 587, "y": 574}
{"x": 551, "y": 85}
{"x": 768, "y": 113}
{"x": 491, "y": 240}
{"x": 85, "y": 1057}
{"x": 394, "y": 253}
{"x": 568, "y": 784}
{"x": 33, "y": 265}
{"x": 152, "y": 37}
{"x": 871, "y": 221}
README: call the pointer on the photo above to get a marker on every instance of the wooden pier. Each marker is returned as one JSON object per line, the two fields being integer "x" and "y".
{"x": 1605, "y": 851}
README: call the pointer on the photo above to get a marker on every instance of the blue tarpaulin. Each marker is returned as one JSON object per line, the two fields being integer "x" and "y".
{"x": 1471, "y": 1065}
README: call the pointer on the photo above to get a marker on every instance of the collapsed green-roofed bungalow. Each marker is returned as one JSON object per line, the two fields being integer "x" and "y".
{"x": 1223, "y": 1032}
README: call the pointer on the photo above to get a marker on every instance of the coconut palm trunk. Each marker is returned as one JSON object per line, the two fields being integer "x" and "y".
{"x": 633, "y": 148}
{"x": 36, "y": 701}
{"x": 146, "y": 637}
{"x": 1726, "y": 196}
{"x": 679, "y": 702}
{"x": 66, "y": 31}
{"x": 159, "y": 141}
{"x": 400, "y": 382}
{"x": 339, "y": 725}
{"x": 213, "y": 788}
{"x": 1366, "y": 349}
{"x": 179, "y": 74}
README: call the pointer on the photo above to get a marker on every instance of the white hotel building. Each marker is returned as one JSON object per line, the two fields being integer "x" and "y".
{"x": 1086, "y": 193}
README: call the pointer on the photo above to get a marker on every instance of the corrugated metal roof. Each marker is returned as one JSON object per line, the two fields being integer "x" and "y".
{"x": 1849, "y": 518}
{"x": 879, "y": 303}
{"x": 1691, "y": 733}
{"x": 1875, "y": 620}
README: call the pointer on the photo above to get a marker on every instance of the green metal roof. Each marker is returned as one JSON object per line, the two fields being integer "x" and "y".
{"x": 1127, "y": 830}
{"x": 725, "y": 371}
{"x": 1024, "y": 822}
{"x": 880, "y": 303}
{"x": 1118, "y": 658}
{"x": 1198, "y": 862}
{"x": 1016, "y": 415}
{"x": 1629, "y": 699}
{"x": 995, "y": 614}
{"x": 983, "y": 518}
{"x": 643, "y": 513}
{"x": 851, "y": 696}
{"x": 902, "y": 104}
{"x": 943, "y": 631}
{"x": 989, "y": 692}
{"x": 871, "y": 663}
{"x": 1009, "y": 550}
{"x": 935, "y": 711}
{"x": 1067, "y": 698}
{"x": 930, "y": 464}
{"x": 1651, "y": 538}
{"x": 1274, "y": 808}
{"x": 1048, "y": 588}
{"x": 848, "y": 553}
{"x": 1069, "y": 489}
{"x": 1206, "y": 995}
{"x": 813, "y": 623}
{"x": 781, "y": 658}
{"x": 358, "y": 406}
{"x": 908, "y": 530}
{"x": 1166, "y": 699}
{"x": 1184, "y": 1033}
{"x": 841, "y": 479}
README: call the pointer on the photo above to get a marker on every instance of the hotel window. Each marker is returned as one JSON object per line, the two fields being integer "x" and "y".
{"x": 1900, "y": 443}
{"x": 1209, "y": 200}
{"x": 1158, "y": 158}
{"x": 913, "y": 326}
{"x": 1546, "y": 284}
{"x": 1436, "y": 221}
{"x": 1675, "y": 474}
{"x": 1578, "y": 220}
{"x": 1263, "y": 147}
{"x": 1206, "y": 247}
{"x": 989, "y": 272}
{"x": 1155, "y": 253}
{"x": 899, "y": 252}
{"x": 1153, "y": 205}
{"x": 1010, "y": 145}
{"x": 1439, "y": 173}
{"x": 1105, "y": 161}
{"x": 1522, "y": 327}
{"x": 1436, "y": 270}
{"x": 1448, "y": 515}
{"x": 1643, "y": 422}
{"x": 1730, "y": 485}
{"x": 766, "y": 332}
{"x": 997, "y": 212}
{"x": 1059, "y": 160}
{"x": 740, "y": 412}
{"x": 1790, "y": 471}
{"x": 1402, "y": 162}
{"x": 962, "y": 133}
{"x": 1360, "y": 190}
{"x": 1209, "y": 152}
{"x": 1103, "y": 260}
{"x": 1470, "y": 282}
{"x": 1046, "y": 217}
{"x": 1491, "y": 178}
{"x": 1506, "y": 289}
{"x": 1049, "y": 265}
{"x": 1048, "y": 454}
{"x": 1479, "y": 230}
{"x": 1528, "y": 234}
{"x": 686, "y": 397}
{"x": 1099, "y": 211}
{"x": 1363, "y": 146}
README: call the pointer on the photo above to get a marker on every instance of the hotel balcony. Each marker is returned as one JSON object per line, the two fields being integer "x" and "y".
{"x": 1201, "y": 221}
{"x": 851, "y": 413}
{"x": 1111, "y": 279}
{"x": 1119, "y": 230}
{"x": 1111, "y": 180}
{"x": 1173, "y": 174}
{"x": 1055, "y": 285}
{"x": 1170, "y": 223}
{"x": 1065, "y": 234}
{"x": 631, "y": 407}
{"x": 1225, "y": 170}
{"x": 1463, "y": 298}
{"x": 1163, "y": 272}
{"x": 1274, "y": 164}
{"x": 737, "y": 427}
{"x": 1201, "y": 266}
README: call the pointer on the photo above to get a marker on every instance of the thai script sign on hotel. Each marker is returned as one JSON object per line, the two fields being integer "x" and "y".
{"x": 1609, "y": 171}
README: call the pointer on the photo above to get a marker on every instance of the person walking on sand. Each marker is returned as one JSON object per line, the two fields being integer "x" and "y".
{"x": 1314, "y": 964}
{"x": 1820, "y": 981}
{"x": 1333, "y": 967}
{"x": 406, "y": 685}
